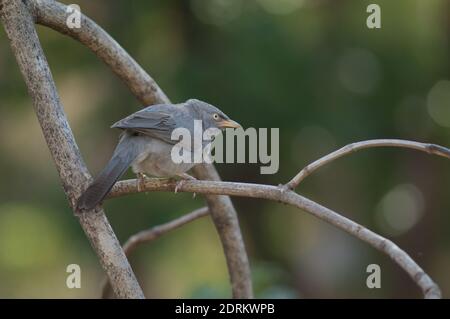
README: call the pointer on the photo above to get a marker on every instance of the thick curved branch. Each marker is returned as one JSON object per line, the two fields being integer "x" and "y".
{"x": 153, "y": 233}
{"x": 226, "y": 222}
{"x": 353, "y": 147}
{"x": 283, "y": 195}
{"x": 19, "y": 26}
{"x": 53, "y": 14}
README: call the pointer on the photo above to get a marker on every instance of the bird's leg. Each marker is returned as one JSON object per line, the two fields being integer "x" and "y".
{"x": 184, "y": 177}
{"x": 140, "y": 181}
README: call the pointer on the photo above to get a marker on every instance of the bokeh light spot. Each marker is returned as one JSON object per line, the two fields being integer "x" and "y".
{"x": 400, "y": 209}
{"x": 438, "y": 103}
{"x": 359, "y": 71}
{"x": 216, "y": 12}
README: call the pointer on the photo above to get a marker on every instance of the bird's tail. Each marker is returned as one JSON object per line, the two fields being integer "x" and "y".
{"x": 126, "y": 151}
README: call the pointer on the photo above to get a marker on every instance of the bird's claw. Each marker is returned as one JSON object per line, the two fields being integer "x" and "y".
{"x": 179, "y": 184}
{"x": 185, "y": 177}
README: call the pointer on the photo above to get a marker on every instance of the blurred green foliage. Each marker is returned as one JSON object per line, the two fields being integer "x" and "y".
{"x": 311, "y": 68}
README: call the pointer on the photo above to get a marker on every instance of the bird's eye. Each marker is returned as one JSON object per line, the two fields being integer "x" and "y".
{"x": 216, "y": 116}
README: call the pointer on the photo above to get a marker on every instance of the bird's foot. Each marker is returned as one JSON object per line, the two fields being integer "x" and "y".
{"x": 184, "y": 177}
{"x": 140, "y": 181}
{"x": 179, "y": 184}
{"x": 187, "y": 177}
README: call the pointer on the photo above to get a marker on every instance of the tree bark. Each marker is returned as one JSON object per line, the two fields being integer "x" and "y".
{"x": 20, "y": 30}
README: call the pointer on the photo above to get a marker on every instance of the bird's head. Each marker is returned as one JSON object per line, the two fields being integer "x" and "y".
{"x": 210, "y": 115}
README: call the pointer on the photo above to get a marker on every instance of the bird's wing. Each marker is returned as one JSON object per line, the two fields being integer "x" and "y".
{"x": 153, "y": 123}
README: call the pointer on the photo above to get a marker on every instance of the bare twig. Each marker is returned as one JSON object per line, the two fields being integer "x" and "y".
{"x": 353, "y": 147}
{"x": 53, "y": 14}
{"x": 153, "y": 233}
{"x": 19, "y": 26}
{"x": 286, "y": 196}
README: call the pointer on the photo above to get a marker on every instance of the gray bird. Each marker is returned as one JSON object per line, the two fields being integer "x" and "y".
{"x": 146, "y": 145}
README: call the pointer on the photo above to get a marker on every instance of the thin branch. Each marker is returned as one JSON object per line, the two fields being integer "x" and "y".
{"x": 19, "y": 26}
{"x": 353, "y": 147}
{"x": 153, "y": 233}
{"x": 53, "y": 14}
{"x": 286, "y": 196}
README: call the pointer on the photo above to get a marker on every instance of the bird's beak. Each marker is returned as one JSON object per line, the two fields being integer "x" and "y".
{"x": 229, "y": 124}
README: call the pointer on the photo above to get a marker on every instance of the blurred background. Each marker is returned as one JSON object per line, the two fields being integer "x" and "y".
{"x": 311, "y": 68}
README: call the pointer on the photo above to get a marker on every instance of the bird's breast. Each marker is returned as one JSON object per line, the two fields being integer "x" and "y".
{"x": 155, "y": 159}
